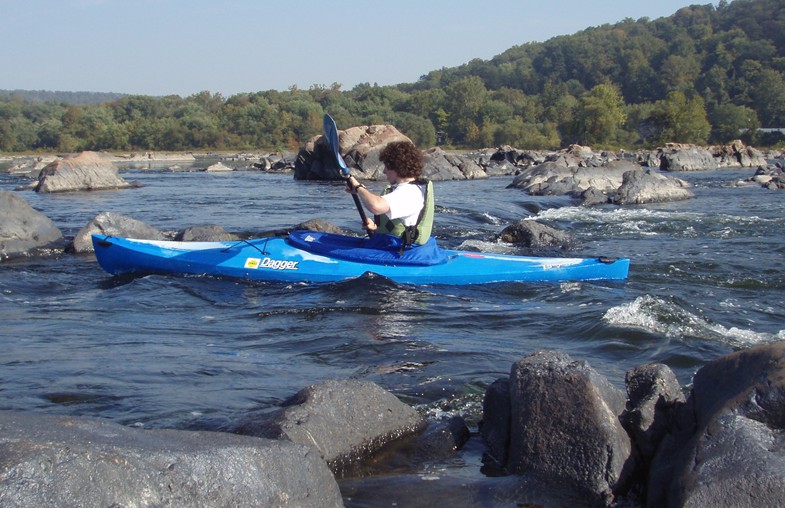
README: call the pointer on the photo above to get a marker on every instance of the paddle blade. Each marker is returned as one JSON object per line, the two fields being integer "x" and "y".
{"x": 331, "y": 134}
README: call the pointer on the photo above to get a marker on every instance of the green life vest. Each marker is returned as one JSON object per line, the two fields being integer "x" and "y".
{"x": 419, "y": 233}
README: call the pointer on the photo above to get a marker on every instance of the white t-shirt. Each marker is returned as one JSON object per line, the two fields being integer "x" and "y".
{"x": 405, "y": 201}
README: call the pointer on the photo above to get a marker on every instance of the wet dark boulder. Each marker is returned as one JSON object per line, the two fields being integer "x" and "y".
{"x": 653, "y": 397}
{"x": 25, "y": 231}
{"x": 564, "y": 426}
{"x": 726, "y": 447}
{"x": 346, "y": 421}
{"x": 535, "y": 235}
{"x": 69, "y": 461}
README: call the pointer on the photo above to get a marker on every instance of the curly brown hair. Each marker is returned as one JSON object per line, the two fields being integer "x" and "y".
{"x": 403, "y": 157}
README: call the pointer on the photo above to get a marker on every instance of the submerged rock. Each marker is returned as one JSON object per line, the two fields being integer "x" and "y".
{"x": 535, "y": 235}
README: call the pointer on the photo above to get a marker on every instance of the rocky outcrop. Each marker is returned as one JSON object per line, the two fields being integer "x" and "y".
{"x": 771, "y": 176}
{"x": 30, "y": 166}
{"x": 25, "y": 231}
{"x": 564, "y": 425}
{"x": 686, "y": 158}
{"x": 441, "y": 165}
{"x": 67, "y": 461}
{"x": 85, "y": 172}
{"x": 720, "y": 446}
{"x": 154, "y": 156}
{"x": 639, "y": 187}
{"x": 345, "y": 421}
{"x": 619, "y": 182}
{"x": 726, "y": 446}
{"x": 737, "y": 154}
{"x": 360, "y": 148}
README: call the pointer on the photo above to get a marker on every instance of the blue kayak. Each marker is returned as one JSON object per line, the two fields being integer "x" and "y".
{"x": 308, "y": 256}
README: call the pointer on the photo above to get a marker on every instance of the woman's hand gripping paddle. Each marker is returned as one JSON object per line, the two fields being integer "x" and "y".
{"x": 331, "y": 134}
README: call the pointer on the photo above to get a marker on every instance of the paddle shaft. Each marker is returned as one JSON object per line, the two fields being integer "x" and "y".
{"x": 361, "y": 211}
{"x": 331, "y": 134}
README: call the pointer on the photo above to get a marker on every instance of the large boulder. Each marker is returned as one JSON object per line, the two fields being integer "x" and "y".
{"x": 24, "y": 230}
{"x": 86, "y": 171}
{"x": 441, "y": 165}
{"x": 645, "y": 186}
{"x": 345, "y": 421}
{"x": 653, "y": 396}
{"x": 737, "y": 154}
{"x": 726, "y": 447}
{"x": 563, "y": 425}
{"x": 115, "y": 224}
{"x": 676, "y": 157}
{"x": 66, "y": 461}
{"x": 359, "y": 146}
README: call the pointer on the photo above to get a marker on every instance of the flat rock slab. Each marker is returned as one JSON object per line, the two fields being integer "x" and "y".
{"x": 65, "y": 461}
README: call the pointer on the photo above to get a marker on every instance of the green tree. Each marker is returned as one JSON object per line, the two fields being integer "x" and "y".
{"x": 682, "y": 120}
{"x": 420, "y": 130}
{"x": 599, "y": 115}
{"x": 731, "y": 122}
{"x": 768, "y": 96}
{"x": 464, "y": 101}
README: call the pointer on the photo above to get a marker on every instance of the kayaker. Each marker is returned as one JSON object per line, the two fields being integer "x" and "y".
{"x": 405, "y": 208}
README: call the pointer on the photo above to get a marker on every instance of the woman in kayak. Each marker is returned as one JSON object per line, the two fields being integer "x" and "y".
{"x": 405, "y": 207}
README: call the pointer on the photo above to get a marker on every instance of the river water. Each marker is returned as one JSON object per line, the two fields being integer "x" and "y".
{"x": 707, "y": 278}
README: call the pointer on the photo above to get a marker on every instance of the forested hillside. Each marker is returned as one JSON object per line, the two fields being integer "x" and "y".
{"x": 707, "y": 74}
{"x": 75, "y": 98}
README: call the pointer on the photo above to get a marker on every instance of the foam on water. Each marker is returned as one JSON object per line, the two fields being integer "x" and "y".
{"x": 658, "y": 315}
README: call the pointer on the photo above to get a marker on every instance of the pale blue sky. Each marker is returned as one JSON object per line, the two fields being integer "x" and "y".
{"x": 161, "y": 47}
